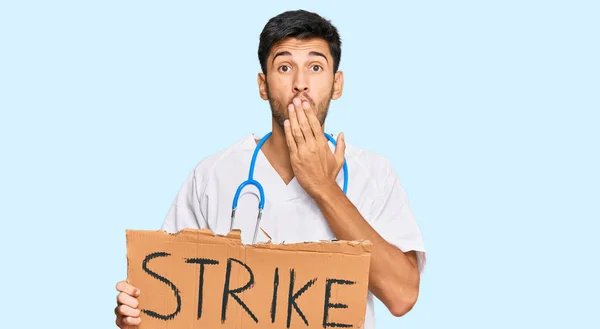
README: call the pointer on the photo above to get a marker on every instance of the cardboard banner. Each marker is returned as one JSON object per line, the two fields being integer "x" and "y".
{"x": 195, "y": 279}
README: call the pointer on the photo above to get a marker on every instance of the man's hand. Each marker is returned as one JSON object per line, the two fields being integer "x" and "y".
{"x": 314, "y": 165}
{"x": 127, "y": 312}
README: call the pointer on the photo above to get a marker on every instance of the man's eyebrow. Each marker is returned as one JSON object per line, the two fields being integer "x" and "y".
{"x": 281, "y": 53}
{"x": 316, "y": 53}
{"x": 287, "y": 53}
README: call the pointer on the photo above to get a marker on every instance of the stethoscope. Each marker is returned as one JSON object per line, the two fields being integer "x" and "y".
{"x": 252, "y": 181}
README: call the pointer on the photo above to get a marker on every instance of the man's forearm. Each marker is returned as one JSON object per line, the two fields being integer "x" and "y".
{"x": 393, "y": 277}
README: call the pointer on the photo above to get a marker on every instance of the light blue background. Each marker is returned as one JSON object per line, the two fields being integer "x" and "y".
{"x": 488, "y": 111}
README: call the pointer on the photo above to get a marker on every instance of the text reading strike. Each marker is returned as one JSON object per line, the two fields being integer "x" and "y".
{"x": 231, "y": 294}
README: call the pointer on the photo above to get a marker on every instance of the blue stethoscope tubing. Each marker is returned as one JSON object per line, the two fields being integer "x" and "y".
{"x": 252, "y": 181}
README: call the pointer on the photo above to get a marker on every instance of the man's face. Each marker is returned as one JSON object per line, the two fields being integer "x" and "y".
{"x": 300, "y": 68}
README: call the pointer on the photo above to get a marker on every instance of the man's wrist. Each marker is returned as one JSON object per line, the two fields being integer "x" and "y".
{"x": 326, "y": 191}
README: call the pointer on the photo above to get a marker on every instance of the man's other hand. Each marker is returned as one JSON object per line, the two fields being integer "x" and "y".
{"x": 127, "y": 312}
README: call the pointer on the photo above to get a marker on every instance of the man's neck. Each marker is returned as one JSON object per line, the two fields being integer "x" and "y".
{"x": 277, "y": 153}
{"x": 277, "y": 142}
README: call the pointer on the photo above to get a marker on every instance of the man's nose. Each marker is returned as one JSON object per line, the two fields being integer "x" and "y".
{"x": 301, "y": 88}
{"x": 300, "y": 84}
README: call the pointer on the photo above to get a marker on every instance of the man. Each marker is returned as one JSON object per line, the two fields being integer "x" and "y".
{"x": 301, "y": 174}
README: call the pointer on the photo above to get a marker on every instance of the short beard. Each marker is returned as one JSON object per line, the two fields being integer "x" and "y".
{"x": 279, "y": 111}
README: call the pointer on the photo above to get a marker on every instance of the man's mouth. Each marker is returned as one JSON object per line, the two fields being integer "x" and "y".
{"x": 303, "y": 98}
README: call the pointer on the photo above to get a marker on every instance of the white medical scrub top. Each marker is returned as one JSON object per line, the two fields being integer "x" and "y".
{"x": 290, "y": 215}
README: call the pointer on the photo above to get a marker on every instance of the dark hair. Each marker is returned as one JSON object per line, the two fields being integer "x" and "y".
{"x": 299, "y": 24}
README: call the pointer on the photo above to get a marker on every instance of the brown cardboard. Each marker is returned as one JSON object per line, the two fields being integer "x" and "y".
{"x": 178, "y": 259}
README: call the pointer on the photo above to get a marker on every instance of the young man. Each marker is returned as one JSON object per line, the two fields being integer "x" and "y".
{"x": 301, "y": 174}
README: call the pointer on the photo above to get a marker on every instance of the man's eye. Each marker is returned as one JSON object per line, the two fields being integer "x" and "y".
{"x": 317, "y": 68}
{"x": 284, "y": 68}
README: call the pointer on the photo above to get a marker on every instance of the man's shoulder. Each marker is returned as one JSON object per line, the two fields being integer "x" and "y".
{"x": 368, "y": 160}
{"x": 224, "y": 156}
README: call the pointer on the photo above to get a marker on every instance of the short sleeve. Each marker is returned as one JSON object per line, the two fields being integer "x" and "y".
{"x": 393, "y": 218}
{"x": 188, "y": 208}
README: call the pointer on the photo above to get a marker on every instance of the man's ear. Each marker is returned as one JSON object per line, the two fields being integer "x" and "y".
{"x": 262, "y": 86}
{"x": 338, "y": 85}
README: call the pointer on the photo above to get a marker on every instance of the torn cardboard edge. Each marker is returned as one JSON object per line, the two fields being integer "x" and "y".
{"x": 353, "y": 247}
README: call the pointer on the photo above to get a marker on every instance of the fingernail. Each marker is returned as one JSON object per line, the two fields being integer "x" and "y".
{"x": 137, "y": 292}
{"x": 296, "y": 101}
{"x": 286, "y": 123}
